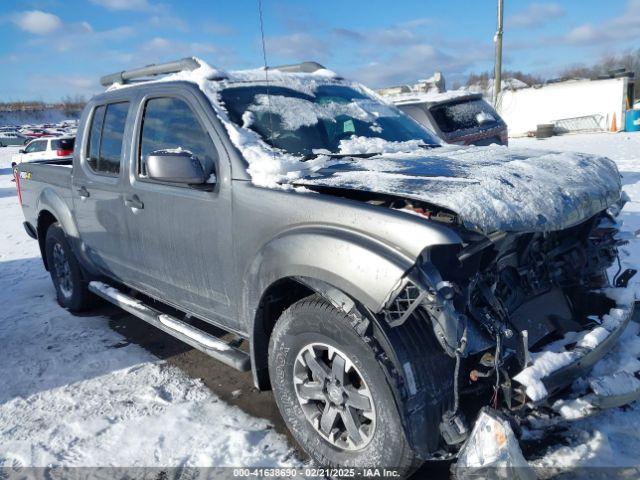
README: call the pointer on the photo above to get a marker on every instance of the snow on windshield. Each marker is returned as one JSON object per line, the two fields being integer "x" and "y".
{"x": 358, "y": 145}
{"x": 299, "y": 112}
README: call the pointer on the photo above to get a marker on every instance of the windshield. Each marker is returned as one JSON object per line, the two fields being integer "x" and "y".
{"x": 303, "y": 123}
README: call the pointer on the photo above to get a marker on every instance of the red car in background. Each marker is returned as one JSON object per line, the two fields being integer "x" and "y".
{"x": 36, "y": 133}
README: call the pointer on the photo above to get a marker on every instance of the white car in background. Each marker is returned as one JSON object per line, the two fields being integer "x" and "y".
{"x": 46, "y": 149}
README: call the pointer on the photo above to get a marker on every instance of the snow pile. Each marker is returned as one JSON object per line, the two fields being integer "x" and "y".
{"x": 616, "y": 384}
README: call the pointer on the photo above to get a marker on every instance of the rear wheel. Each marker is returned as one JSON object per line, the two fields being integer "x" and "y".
{"x": 71, "y": 289}
{"x": 332, "y": 392}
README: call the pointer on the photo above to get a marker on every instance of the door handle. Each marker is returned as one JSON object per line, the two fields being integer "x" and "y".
{"x": 134, "y": 202}
{"x": 83, "y": 192}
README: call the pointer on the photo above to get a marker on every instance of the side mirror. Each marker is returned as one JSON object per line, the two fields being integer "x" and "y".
{"x": 21, "y": 151}
{"x": 178, "y": 166}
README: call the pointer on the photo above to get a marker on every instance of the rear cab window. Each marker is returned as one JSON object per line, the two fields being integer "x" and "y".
{"x": 105, "y": 138}
{"x": 465, "y": 115}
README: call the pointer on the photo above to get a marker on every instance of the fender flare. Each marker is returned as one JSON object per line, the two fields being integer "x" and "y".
{"x": 363, "y": 268}
{"x": 51, "y": 201}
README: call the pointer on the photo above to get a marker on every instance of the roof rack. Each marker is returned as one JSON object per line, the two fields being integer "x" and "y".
{"x": 304, "y": 67}
{"x": 149, "y": 71}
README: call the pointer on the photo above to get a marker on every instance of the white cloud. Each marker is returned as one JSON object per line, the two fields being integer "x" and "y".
{"x": 123, "y": 4}
{"x": 625, "y": 27}
{"x": 93, "y": 42}
{"x": 535, "y": 15}
{"x": 70, "y": 84}
{"x": 410, "y": 64}
{"x": 160, "y": 49}
{"x": 37, "y": 22}
{"x": 584, "y": 34}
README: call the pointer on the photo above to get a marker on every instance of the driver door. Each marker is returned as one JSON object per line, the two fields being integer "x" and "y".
{"x": 180, "y": 236}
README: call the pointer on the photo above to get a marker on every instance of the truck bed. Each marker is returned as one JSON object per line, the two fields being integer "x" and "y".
{"x": 35, "y": 178}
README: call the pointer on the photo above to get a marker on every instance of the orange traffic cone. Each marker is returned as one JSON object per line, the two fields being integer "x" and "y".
{"x": 614, "y": 124}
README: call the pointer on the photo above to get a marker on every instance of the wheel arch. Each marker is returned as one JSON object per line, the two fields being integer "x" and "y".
{"x": 45, "y": 220}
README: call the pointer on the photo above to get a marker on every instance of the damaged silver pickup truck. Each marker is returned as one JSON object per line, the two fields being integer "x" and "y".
{"x": 385, "y": 286}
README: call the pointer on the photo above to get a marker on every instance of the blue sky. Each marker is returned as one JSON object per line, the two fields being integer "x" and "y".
{"x": 51, "y": 48}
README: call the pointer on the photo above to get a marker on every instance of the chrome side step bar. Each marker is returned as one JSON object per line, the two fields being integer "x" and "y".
{"x": 199, "y": 339}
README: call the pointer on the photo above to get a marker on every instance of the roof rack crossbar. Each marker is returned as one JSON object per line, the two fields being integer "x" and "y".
{"x": 149, "y": 71}
{"x": 304, "y": 67}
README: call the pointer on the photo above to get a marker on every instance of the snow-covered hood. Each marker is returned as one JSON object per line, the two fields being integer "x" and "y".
{"x": 489, "y": 188}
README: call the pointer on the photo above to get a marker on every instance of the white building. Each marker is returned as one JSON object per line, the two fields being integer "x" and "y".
{"x": 591, "y": 102}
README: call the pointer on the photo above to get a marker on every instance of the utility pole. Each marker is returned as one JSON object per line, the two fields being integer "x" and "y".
{"x": 497, "y": 77}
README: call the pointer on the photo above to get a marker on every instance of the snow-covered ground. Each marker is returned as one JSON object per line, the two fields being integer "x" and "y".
{"x": 73, "y": 395}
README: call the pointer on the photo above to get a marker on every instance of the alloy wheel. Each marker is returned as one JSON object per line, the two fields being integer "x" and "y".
{"x": 334, "y": 396}
{"x": 62, "y": 270}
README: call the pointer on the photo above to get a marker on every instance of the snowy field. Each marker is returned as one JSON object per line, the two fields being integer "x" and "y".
{"x": 73, "y": 395}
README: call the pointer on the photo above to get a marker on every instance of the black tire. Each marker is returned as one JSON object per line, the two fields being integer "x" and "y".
{"x": 314, "y": 321}
{"x": 71, "y": 288}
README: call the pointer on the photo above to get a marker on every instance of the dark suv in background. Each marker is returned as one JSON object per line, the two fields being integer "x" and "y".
{"x": 461, "y": 119}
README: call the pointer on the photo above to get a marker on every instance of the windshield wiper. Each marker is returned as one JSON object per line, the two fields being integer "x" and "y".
{"x": 311, "y": 156}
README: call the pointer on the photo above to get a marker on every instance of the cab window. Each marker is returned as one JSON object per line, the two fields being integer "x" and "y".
{"x": 106, "y": 136}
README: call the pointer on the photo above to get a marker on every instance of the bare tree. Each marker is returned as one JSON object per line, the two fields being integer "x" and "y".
{"x": 482, "y": 79}
{"x": 629, "y": 61}
{"x": 72, "y": 104}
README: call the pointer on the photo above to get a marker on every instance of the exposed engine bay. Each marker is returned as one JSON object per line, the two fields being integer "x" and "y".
{"x": 498, "y": 300}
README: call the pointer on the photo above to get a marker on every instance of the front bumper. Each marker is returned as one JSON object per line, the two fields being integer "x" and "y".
{"x": 552, "y": 371}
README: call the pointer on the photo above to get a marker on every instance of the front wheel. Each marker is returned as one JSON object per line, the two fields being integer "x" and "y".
{"x": 333, "y": 393}
{"x": 71, "y": 289}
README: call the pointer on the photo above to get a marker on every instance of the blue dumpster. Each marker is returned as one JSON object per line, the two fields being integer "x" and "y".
{"x": 632, "y": 122}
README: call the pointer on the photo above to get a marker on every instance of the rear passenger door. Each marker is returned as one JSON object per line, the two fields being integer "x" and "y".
{"x": 97, "y": 188}
{"x": 181, "y": 235}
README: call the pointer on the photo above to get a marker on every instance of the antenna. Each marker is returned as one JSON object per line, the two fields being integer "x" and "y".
{"x": 266, "y": 69}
